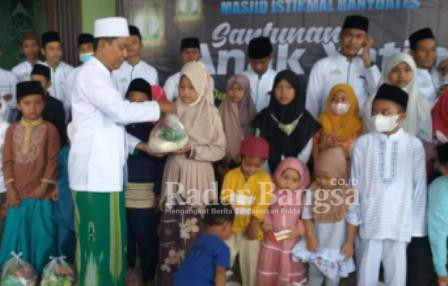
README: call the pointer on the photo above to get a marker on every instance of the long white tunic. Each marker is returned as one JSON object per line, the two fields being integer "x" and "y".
{"x": 59, "y": 81}
{"x": 98, "y": 148}
{"x": 126, "y": 73}
{"x": 8, "y": 82}
{"x": 427, "y": 84}
{"x": 23, "y": 70}
{"x": 332, "y": 70}
{"x": 391, "y": 180}
{"x": 261, "y": 87}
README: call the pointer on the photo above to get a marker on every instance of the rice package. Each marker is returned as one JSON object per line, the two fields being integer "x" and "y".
{"x": 18, "y": 272}
{"x": 58, "y": 273}
{"x": 168, "y": 135}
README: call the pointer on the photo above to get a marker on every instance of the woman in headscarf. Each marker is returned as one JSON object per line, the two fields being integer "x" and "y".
{"x": 400, "y": 70}
{"x": 237, "y": 112}
{"x": 341, "y": 124}
{"x": 285, "y": 123}
{"x": 188, "y": 179}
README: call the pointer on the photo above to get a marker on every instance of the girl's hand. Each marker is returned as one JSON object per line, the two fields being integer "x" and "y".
{"x": 167, "y": 106}
{"x": 311, "y": 244}
{"x": 347, "y": 250}
{"x": 267, "y": 227}
{"x": 295, "y": 234}
{"x": 183, "y": 150}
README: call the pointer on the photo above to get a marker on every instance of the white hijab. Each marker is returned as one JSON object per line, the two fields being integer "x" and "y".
{"x": 418, "y": 114}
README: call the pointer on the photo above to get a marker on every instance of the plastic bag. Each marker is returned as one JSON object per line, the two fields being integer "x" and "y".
{"x": 58, "y": 273}
{"x": 18, "y": 272}
{"x": 168, "y": 135}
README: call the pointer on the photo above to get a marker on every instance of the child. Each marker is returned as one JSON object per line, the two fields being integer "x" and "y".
{"x": 30, "y": 171}
{"x": 134, "y": 67}
{"x": 341, "y": 124}
{"x": 188, "y": 172}
{"x": 29, "y": 46}
{"x": 64, "y": 208}
{"x": 248, "y": 189}
{"x": 142, "y": 191}
{"x": 3, "y": 127}
{"x": 330, "y": 226}
{"x": 285, "y": 124}
{"x": 54, "y": 109}
{"x": 275, "y": 267}
{"x": 438, "y": 217}
{"x": 237, "y": 112}
{"x": 209, "y": 257}
{"x": 400, "y": 70}
{"x": 389, "y": 168}
{"x": 60, "y": 71}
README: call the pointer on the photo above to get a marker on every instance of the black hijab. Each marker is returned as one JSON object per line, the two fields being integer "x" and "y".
{"x": 270, "y": 118}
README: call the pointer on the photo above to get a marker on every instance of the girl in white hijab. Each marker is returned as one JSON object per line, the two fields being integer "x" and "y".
{"x": 400, "y": 70}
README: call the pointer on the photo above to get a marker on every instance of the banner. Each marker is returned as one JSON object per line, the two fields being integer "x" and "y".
{"x": 301, "y": 31}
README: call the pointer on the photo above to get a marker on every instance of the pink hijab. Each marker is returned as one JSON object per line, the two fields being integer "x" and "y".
{"x": 297, "y": 165}
{"x": 237, "y": 117}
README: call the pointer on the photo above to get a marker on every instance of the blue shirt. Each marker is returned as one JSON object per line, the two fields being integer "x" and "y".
{"x": 438, "y": 223}
{"x": 207, "y": 252}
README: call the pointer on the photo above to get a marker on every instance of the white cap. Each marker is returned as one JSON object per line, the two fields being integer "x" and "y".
{"x": 111, "y": 27}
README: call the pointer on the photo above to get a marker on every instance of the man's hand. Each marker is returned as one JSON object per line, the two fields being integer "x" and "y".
{"x": 368, "y": 44}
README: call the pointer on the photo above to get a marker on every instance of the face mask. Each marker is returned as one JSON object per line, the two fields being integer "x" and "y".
{"x": 385, "y": 123}
{"x": 85, "y": 57}
{"x": 340, "y": 108}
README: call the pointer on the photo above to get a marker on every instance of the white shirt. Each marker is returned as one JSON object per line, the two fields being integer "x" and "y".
{"x": 260, "y": 87}
{"x": 171, "y": 86}
{"x": 126, "y": 73}
{"x": 8, "y": 82}
{"x": 427, "y": 83}
{"x": 23, "y": 70}
{"x": 332, "y": 70}
{"x": 3, "y": 127}
{"x": 59, "y": 80}
{"x": 98, "y": 147}
{"x": 391, "y": 181}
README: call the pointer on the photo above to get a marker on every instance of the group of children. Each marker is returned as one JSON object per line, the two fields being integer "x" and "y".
{"x": 350, "y": 183}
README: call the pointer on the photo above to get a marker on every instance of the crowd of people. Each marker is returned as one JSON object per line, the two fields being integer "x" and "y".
{"x": 276, "y": 186}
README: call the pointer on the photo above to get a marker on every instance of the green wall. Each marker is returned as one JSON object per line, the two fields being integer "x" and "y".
{"x": 94, "y": 9}
{"x": 17, "y": 17}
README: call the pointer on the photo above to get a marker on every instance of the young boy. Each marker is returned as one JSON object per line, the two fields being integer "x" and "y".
{"x": 30, "y": 170}
{"x": 54, "y": 109}
{"x": 85, "y": 47}
{"x": 142, "y": 191}
{"x": 29, "y": 46}
{"x": 389, "y": 166}
{"x": 60, "y": 71}
{"x": 209, "y": 257}
{"x": 248, "y": 189}
{"x": 260, "y": 73}
{"x": 438, "y": 217}
{"x": 190, "y": 51}
{"x": 133, "y": 67}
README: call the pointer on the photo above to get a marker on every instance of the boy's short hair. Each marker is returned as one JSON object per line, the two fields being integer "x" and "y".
{"x": 218, "y": 214}
{"x": 28, "y": 36}
{"x": 26, "y": 88}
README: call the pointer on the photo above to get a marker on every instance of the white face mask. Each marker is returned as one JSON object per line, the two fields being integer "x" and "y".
{"x": 340, "y": 108}
{"x": 385, "y": 123}
{"x": 85, "y": 57}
